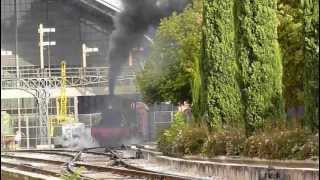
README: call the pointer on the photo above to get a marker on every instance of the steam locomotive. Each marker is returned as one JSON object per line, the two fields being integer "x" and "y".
{"x": 119, "y": 122}
{"x": 113, "y": 129}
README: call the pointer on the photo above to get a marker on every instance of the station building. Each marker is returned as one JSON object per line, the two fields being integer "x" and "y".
{"x": 27, "y": 88}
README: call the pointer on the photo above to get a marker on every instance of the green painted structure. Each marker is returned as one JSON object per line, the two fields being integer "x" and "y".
{"x": 6, "y": 124}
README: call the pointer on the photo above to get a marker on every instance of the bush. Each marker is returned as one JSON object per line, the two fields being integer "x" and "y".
{"x": 282, "y": 144}
{"x": 224, "y": 142}
{"x": 192, "y": 139}
{"x": 181, "y": 138}
{"x": 167, "y": 142}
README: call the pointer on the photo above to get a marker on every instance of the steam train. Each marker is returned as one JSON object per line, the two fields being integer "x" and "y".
{"x": 113, "y": 129}
{"x": 120, "y": 122}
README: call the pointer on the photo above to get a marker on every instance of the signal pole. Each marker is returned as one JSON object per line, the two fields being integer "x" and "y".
{"x": 41, "y": 32}
{"x": 85, "y": 51}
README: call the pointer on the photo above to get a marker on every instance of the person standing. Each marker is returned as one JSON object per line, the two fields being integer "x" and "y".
{"x": 17, "y": 138}
{"x": 187, "y": 112}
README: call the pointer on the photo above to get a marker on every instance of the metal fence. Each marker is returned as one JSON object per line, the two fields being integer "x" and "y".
{"x": 159, "y": 121}
{"x": 29, "y": 126}
{"x": 160, "y": 118}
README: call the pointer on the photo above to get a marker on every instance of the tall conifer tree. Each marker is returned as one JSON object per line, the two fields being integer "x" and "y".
{"x": 259, "y": 62}
{"x": 223, "y": 95}
{"x": 311, "y": 56}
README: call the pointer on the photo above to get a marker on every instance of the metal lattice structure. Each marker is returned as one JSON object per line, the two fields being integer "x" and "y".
{"x": 32, "y": 77}
{"x": 42, "y": 96}
{"x": 39, "y": 82}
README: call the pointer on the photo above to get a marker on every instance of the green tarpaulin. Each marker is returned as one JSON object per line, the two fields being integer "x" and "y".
{"x": 6, "y": 124}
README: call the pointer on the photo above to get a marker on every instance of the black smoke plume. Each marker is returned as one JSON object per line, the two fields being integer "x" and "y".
{"x": 131, "y": 25}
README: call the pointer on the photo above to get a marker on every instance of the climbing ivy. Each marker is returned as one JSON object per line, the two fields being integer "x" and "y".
{"x": 223, "y": 95}
{"x": 259, "y": 61}
{"x": 311, "y": 56}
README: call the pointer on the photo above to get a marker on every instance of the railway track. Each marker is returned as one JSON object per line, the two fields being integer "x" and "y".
{"x": 98, "y": 163}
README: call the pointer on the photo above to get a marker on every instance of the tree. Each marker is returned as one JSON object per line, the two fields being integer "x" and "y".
{"x": 290, "y": 30}
{"x": 259, "y": 60}
{"x": 169, "y": 71}
{"x": 223, "y": 94}
{"x": 311, "y": 70}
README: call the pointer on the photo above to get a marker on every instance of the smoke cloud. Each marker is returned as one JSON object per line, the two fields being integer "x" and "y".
{"x": 83, "y": 140}
{"x": 131, "y": 25}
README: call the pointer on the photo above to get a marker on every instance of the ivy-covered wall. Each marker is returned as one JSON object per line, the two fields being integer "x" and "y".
{"x": 311, "y": 71}
{"x": 223, "y": 94}
{"x": 259, "y": 61}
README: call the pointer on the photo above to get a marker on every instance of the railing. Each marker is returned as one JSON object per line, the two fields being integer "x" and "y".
{"x": 36, "y": 72}
{"x": 33, "y": 77}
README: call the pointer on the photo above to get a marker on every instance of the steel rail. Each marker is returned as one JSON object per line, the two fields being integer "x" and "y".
{"x": 126, "y": 170}
{"x": 29, "y": 168}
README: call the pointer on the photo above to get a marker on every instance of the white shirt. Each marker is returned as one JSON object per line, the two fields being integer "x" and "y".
{"x": 18, "y": 136}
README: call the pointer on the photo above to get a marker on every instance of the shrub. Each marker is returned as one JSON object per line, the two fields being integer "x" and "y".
{"x": 167, "y": 141}
{"x": 282, "y": 144}
{"x": 192, "y": 139}
{"x": 274, "y": 141}
{"x": 224, "y": 142}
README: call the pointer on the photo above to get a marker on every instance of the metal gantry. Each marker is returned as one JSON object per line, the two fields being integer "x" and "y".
{"x": 32, "y": 77}
{"x": 42, "y": 96}
{"x": 38, "y": 83}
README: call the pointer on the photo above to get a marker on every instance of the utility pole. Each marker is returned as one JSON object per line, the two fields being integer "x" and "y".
{"x": 41, "y": 32}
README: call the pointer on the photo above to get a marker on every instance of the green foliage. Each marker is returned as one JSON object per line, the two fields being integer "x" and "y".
{"x": 223, "y": 94}
{"x": 311, "y": 70}
{"x": 290, "y": 31}
{"x": 182, "y": 138}
{"x": 224, "y": 142}
{"x": 172, "y": 67}
{"x": 191, "y": 139}
{"x": 259, "y": 61}
{"x": 73, "y": 176}
{"x": 167, "y": 140}
{"x": 240, "y": 77}
{"x": 282, "y": 144}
